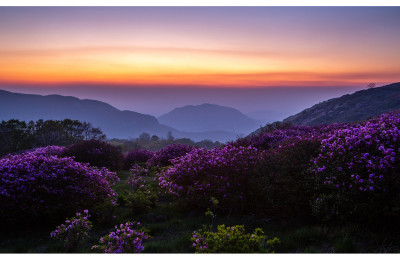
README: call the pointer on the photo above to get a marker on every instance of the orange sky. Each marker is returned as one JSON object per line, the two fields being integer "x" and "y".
{"x": 231, "y": 47}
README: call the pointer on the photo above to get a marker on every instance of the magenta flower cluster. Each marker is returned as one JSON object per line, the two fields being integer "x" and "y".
{"x": 39, "y": 186}
{"x": 74, "y": 230}
{"x": 127, "y": 238}
{"x": 164, "y": 156}
{"x": 219, "y": 173}
{"x": 137, "y": 177}
{"x": 361, "y": 157}
{"x": 50, "y": 150}
{"x": 271, "y": 140}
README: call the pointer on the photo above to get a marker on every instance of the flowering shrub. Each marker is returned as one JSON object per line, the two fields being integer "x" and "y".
{"x": 268, "y": 140}
{"x": 143, "y": 195}
{"x": 358, "y": 167}
{"x": 137, "y": 177}
{"x": 232, "y": 240}
{"x": 220, "y": 173}
{"x": 272, "y": 139}
{"x": 74, "y": 231}
{"x": 50, "y": 150}
{"x": 164, "y": 156}
{"x": 36, "y": 187}
{"x": 137, "y": 156}
{"x": 97, "y": 153}
{"x": 125, "y": 239}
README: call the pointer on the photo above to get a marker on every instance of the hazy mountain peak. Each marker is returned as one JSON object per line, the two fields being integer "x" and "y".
{"x": 209, "y": 117}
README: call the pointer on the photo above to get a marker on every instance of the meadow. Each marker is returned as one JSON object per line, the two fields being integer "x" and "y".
{"x": 285, "y": 189}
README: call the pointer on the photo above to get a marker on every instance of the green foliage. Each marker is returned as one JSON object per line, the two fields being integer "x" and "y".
{"x": 144, "y": 192}
{"x": 143, "y": 200}
{"x": 283, "y": 186}
{"x": 176, "y": 244}
{"x": 15, "y": 136}
{"x": 18, "y": 135}
{"x": 345, "y": 245}
{"x": 232, "y": 240}
{"x": 210, "y": 213}
{"x": 97, "y": 153}
{"x": 155, "y": 143}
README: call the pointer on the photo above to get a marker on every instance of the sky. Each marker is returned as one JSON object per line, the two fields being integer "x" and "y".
{"x": 124, "y": 52}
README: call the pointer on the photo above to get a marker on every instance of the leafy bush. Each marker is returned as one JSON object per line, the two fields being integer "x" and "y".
{"x": 18, "y": 135}
{"x": 232, "y": 240}
{"x": 137, "y": 157}
{"x": 164, "y": 156}
{"x": 358, "y": 170}
{"x": 125, "y": 239}
{"x": 285, "y": 186}
{"x": 48, "y": 188}
{"x": 143, "y": 195}
{"x": 74, "y": 231}
{"x": 97, "y": 153}
{"x": 220, "y": 173}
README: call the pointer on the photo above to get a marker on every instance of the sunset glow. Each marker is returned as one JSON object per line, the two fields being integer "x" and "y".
{"x": 226, "y": 46}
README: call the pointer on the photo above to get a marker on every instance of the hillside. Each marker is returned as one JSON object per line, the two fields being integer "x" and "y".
{"x": 351, "y": 108}
{"x": 209, "y": 117}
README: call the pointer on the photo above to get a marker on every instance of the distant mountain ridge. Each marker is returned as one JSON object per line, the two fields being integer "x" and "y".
{"x": 208, "y": 117}
{"x": 113, "y": 122}
{"x": 351, "y": 108}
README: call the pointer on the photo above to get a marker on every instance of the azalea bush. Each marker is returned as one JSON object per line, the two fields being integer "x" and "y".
{"x": 358, "y": 170}
{"x": 97, "y": 153}
{"x": 164, "y": 156}
{"x": 232, "y": 240}
{"x": 74, "y": 231}
{"x": 272, "y": 137}
{"x": 48, "y": 188}
{"x": 286, "y": 187}
{"x": 137, "y": 157}
{"x": 224, "y": 174}
{"x": 126, "y": 238}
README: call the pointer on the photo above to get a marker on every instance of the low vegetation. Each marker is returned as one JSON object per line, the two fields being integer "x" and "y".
{"x": 331, "y": 188}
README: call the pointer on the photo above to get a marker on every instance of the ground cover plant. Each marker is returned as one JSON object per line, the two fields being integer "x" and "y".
{"x": 232, "y": 240}
{"x": 330, "y": 188}
{"x": 74, "y": 231}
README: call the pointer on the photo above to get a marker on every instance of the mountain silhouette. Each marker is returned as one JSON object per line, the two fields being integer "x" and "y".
{"x": 113, "y": 122}
{"x": 209, "y": 117}
{"x": 351, "y": 108}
